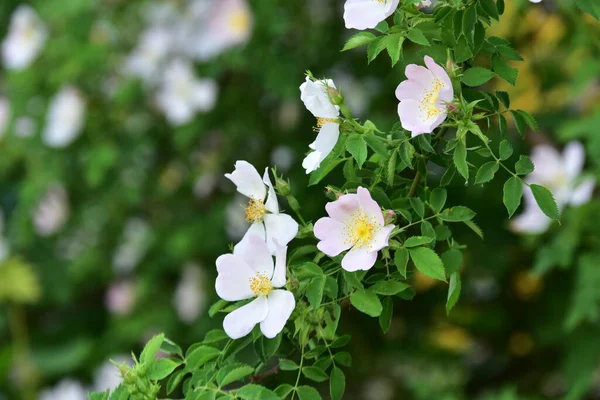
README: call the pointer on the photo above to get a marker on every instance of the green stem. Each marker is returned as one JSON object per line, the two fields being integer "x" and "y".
{"x": 299, "y": 373}
{"x": 18, "y": 327}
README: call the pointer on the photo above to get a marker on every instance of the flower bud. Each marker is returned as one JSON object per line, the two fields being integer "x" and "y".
{"x": 283, "y": 187}
{"x": 389, "y": 216}
{"x": 335, "y": 96}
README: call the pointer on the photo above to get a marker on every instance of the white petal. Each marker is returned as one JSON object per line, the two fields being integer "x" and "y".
{"x": 381, "y": 237}
{"x": 281, "y": 304}
{"x": 280, "y": 227}
{"x": 233, "y": 279}
{"x": 532, "y": 221}
{"x": 369, "y": 206}
{"x": 574, "y": 158}
{"x": 548, "y": 165}
{"x": 256, "y": 229}
{"x": 583, "y": 192}
{"x": 359, "y": 259}
{"x": 255, "y": 252}
{"x": 279, "y": 278}
{"x": 312, "y": 161}
{"x": 323, "y": 144}
{"x": 205, "y": 94}
{"x": 330, "y": 232}
{"x": 240, "y": 322}
{"x": 271, "y": 204}
{"x": 247, "y": 180}
{"x": 316, "y": 100}
{"x": 366, "y": 14}
{"x": 342, "y": 208}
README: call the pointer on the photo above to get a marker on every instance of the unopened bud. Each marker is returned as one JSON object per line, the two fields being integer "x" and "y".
{"x": 335, "y": 96}
{"x": 452, "y": 108}
{"x": 283, "y": 187}
{"x": 389, "y": 217}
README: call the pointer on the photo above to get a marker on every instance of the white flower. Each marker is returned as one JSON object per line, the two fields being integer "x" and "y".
{"x": 315, "y": 97}
{"x": 67, "y": 389}
{"x": 26, "y": 37}
{"x": 52, "y": 211}
{"x": 145, "y": 60}
{"x": 24, "y": 127}
{"x": 120, "y": 298}
{"x": 4, "y": 115}
{"x": 535, "y": 1}
{"x": 247, "y": 273}
{"x": 282, "y": 157}
{"x": 182, "y": 95}
{"x": 424, "y": 97}
{"x": 263, "y": 209}
{"x": 137, "y": 238}
{"x": 561, "y": 175}
{"x": 190, "y": 296}
{"x": 228, "y": 24}
{"x": 65, "y": 118}
{"x": 424, "y": 3}
{"x": 366, "y": 14}
{"x": 107, "y": 376}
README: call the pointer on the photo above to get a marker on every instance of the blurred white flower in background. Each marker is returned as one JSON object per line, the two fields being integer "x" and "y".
{"x": 190, "y": 296}
{"x": 205, "y": 184}
{"x": 145, "y": 60}
{"x": 107, "y": 376}
{"x": 136, "y": 240}
{"x": 4, "y": 246}
{"x": 228, "y": 23}
{"x": 120, "y": 298}
{"x": 66, "y": 389}
{"x": 25, "y": 127}
{"x": 52, "y": 211}
{"x": 25, "y": 39}
{"x": 283, "y": 157}
{"x": 181, "y": 94}
{"x": 561, "y": 174}
{"x": 236, "y": 218}
{"x": 65, "y": 119}
{"x": 358, "y": 93}
{"x": 4, "y": 115}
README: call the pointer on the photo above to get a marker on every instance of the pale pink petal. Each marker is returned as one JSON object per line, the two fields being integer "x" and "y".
{"x": 573, "y": 158}
{"x": 279, "y": 279}
{"x": 247, "y": 180}
{"x": 281, "y": 303}
{"x": 369, "y": 206}
{"x": 441, "y": 74}
{"x": 359, "y": 259}
{"x": 280, "y": 227}
{"x": 583, "y": 192}
{"x": 409, "y": 112}
{"x": 410, "y": 90}
{"x": 271, "y": 204}
{"x": 331, "y": 235}
{"x": 343, "y": 207}
{"x": 240, "y": 322}
{"x": 419, "y": 74}
{"x": 233, "y": 279}
{"x": 256, "y": 229}
{"x": 364, "y": 14}
{"x": 380, "y": 239}
{"x": 255, "y": 252}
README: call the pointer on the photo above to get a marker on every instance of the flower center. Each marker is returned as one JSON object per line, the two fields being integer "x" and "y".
{"x": 261, "y": 285}
{"x": 239, "y": 21}
{"x": 323, "y": 121}
{"x": 360, "y": 229}
{"x": 428, "y": 103}
{"x": 255, "y": 211}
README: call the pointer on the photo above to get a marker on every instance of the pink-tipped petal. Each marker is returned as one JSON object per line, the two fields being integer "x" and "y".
{"x": 331, "y": 235}
{"x": 370, "y": 206}
{"x": 343, "y": 207}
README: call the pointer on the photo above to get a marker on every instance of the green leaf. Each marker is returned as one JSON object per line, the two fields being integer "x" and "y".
{"x": 513, "y": 191}
{"x": 428, "y": 262}
{"x": 503, "y": 96}
{"x": 366, "y": 302}
{"x": 255, "y": 392}
{"x": 437, "y": 199}
{"x": 453, "y": 291}
{"x": 236, "y": 375}
{"x": 468, "y": 22}
{"x": 460, "y": 159}
{"x": 477, "y": 76}
{"x": 375, "y": 47}
{"x": 457, "y": 214}
{"x": 288, "y": 365}
{"x": 315, "y": 374}
{"x": 415, "y": 241}
{"x": 337, "y": 384}
{"x": 462, "y": 51}
{"x": 391, "y": 168}
{"x": 357, "y": 146}
{"x": 394, "y": 47}
{"x": 475, "y": 228}
{"x": 216, "y": 307}
{"x": 506, "y": 150}
{"x": 376, "y": 144}
{"x": 308, "y": 393}
{"x": 591, "y": 7}
{"x": 416, "y": 35}
{"x": 418, "y": 205}
{"x": 453, "y": 260}
{"x": 490, "y": 8}
{"x": 388, "y": 288}
{"x": 174, "y": 381}
{"x": 545, "y": 200}
{"x": 284, "y": 390}
{"x": 486, "y": 172}
{"x": 162, "y": 368}
{"x": 520, "y": 122}
{"x": 360, "y": 39}
{"x": 401, "y": 260}
{"x": 309, "y": 270}
{"x": 504, "y": 71}
{"x": 524, "y": 166}
{"x": 170, "y": 347}
{"x": 215, "y": 336}
{"x": 314, "y": 291}
{"x": 98, "y": 396}
{"x": 200, "y": 356}
{"x": 529, "y": 120}
{"x": 344, "y": 358}
{"x": 502, "y": 125}
{"x": 151, "y": 349}
{"x": 407, "y": 152}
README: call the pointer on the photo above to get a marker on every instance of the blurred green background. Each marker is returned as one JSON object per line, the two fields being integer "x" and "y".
{"x": 118, "y": 120}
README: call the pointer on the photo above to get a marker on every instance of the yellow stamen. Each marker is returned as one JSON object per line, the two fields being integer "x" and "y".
{"x": 323, "y": 121}
{"x": 255, "y": 211}
{"x": 261, "y": 285}
{"x": 360, "y": 229}
{"x": 239, "y": 21}
{"x": 428, "y": 104}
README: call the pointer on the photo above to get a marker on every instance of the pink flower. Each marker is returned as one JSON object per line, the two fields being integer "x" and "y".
{"x": 424, "y": 97}
{"x": 355, "y": 222}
